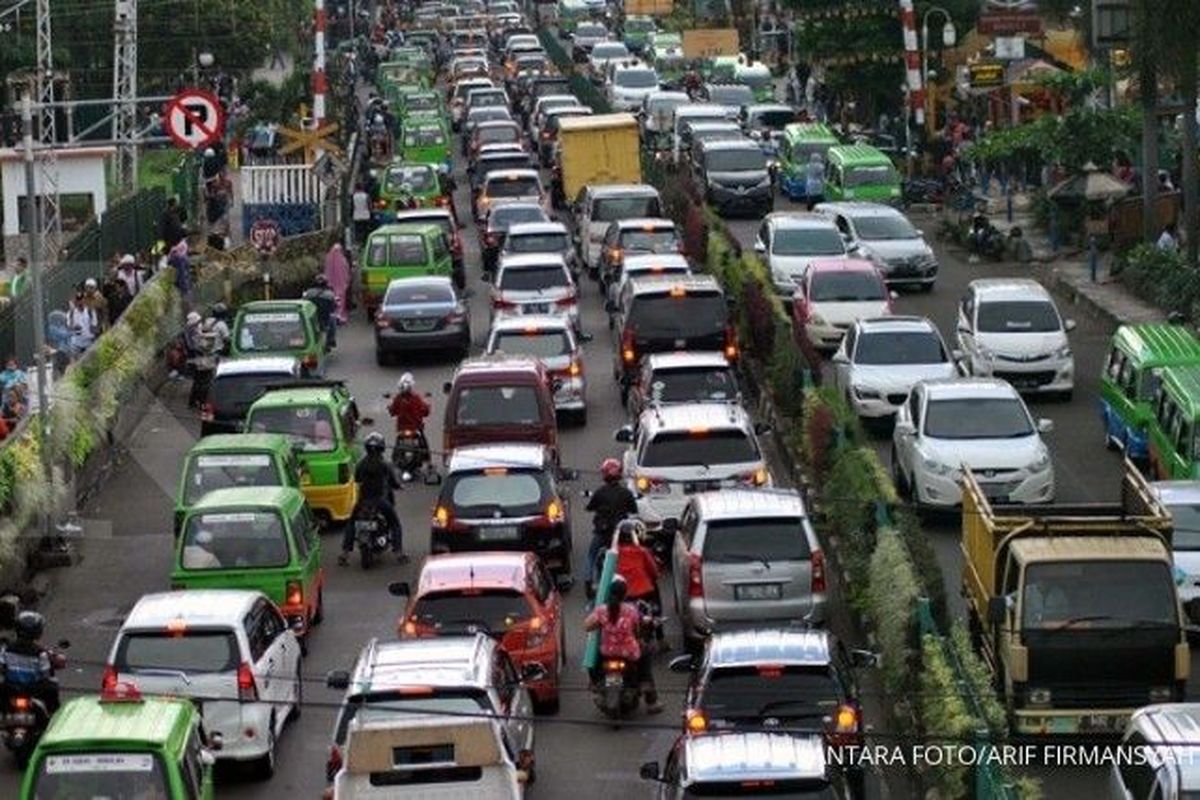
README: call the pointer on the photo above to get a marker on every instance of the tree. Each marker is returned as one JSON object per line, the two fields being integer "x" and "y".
{"x": 1146, "y": 55}
{"x": 1176, "y": 37}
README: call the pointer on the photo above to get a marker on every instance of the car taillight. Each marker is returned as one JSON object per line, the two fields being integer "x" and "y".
{"x": 499, "y": 302}
{"x": 344, "y": 472}
{"x": 695, "y": 576}
{"x": 615, "y": 254}
{"x": 455, "y": 317}
{"x": 731, "y": 345}
{"x": 696, "y": 721}
{"x": 293, "y": 594}
{"x": 567, "y": 301}
{"x": 247, "y": 688}
{"x": 333, "y": 764}
{"x": 554, "y": 511}
{"x": 845, "y": 726}
{"x": 108, "y": 681}
{"x": 614, "y": 665}
{"x": 456, "y": 245}
{"x": 576, "y": 368}
{"x": 756, "y": 478}
{"x": 381, "y": 203}
{"x": 492, "y": 239}
{"x": 442, "y": 201}
{"x": 648, "y": 485}
{"x": 413, "y": 627}
{"x": 546, "y": 136}
{"x": 310, "y": 361}
{"x": 628, "y": 351}
{"x": 818, "y": 571}
{"x": 442, "y": 517}
{"x": 207, "y": 412}
{"x": 382, "y": 322}
{"x": 800, "y": 310}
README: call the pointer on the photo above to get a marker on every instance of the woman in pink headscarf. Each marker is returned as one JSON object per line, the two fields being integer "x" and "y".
{"x": 337, "y": 272}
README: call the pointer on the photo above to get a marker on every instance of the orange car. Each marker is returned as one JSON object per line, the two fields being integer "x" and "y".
{"x": 510, "y": 596}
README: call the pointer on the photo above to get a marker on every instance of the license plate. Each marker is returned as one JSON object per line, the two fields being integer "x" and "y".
{"x": 614, "y": 679}
{"x": 499, "y": 533}
{"x": 537, "y": 308}
{"x": 419, "y": 324}
{"x": 701, "y": 486}
{"x": 758, "y": 591}
{"x": 1100, "y": 722}
{"x": 366, "y": 525}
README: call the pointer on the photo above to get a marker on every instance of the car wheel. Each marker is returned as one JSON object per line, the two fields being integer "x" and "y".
{"x": 381, "y": 358}
{"x": 297, "y": 697}
{"x": 581, "y": 417}
{"x": 303, "y": 640}
{"x": 927, "y": 287}
{"x": 319, "y": 611}
{"x": 902, "y": 487}
{"x": 265, "y": 766}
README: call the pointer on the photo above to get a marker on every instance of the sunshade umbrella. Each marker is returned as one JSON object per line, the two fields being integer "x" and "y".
{"x": 1091, "y": 184}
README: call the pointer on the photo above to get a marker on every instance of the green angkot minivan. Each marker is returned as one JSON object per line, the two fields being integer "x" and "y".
{"x": 280, "y": 328}
{"x": 402, "y": 251}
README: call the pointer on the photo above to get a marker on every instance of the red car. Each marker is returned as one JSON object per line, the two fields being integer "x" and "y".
{"x": 509, "y": 596}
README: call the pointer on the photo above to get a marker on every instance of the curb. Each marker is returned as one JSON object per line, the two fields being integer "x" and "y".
{"x": 1080, "y": 294}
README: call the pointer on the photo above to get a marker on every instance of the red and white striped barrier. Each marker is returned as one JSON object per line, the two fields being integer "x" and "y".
{"x": 912, "y": 61}
{"x": 319, "y": 83}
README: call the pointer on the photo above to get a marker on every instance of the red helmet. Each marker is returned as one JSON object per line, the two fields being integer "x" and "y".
{"x": 610, "y": 469}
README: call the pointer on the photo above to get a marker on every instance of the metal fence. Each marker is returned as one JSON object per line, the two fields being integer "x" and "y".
{"x": 128, "y": 226}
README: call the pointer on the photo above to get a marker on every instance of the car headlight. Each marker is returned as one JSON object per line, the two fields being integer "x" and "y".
{"x": 865, "y": 393}
{"x": 1063, "y": 352}
{"x": 1038, "y": 697}
{"x": 984, "y": 354}
{"x": 1041, "y": 463}
{"x": 816, "y": 319}
{"x": 935, "y": 466}
{"x": 766, "y": 181}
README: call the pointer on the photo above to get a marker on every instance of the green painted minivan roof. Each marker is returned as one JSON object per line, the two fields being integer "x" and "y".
{"x": 299, "y": 396}
{"x": 242, "y": 441}
{"x": 153, "y": 722}
{"x": 809, "y": 132}
{"x": 423, "y": 228}
{"x": 857, "y": 155}
{"x": 275, "y": 305}
{"x": 255, "y": 496}
{"x": 1159, "y": 344}
{"x": 1183, "y": 383}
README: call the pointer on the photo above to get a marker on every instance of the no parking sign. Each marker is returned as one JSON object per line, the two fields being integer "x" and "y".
{"x": 195, "y": 118}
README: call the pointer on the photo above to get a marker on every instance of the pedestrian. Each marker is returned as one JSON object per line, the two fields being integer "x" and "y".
{"x": 1165, "y": 184}
{"x": 814, "y": 181}
{"x": 360, "y": 203}
{"x": 178, "y": 260}
{"x": 321, "y": 296}
{"x": 129, "y": 273}
{"x": 337, "y": 274}
{"x": 95, "y": 301}
{"x": 116, "y": 295}
{"x": 170, "y": 224}
{"x": 1168, "y": 240}
{"x": 14, "y": 406}
{"x": 11, "y": 375}
{"x": 20, "y": 280}
{"x": 83, "y": 324}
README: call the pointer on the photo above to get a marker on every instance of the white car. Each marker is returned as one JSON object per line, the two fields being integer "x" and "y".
{"x": 1182, "y": 499}
{"x": 629, "y": 85}
{"x": 884, "y": 236}
{"x": 882, "y": 358}
{"x": 231, "y": 651}
{"x": 658, "y": 109}
{"x": 1010, "y": 328}
{"x": 981, "y": 424}
{"x": 678, "y": 450}
{"x": 789, "y": 241}
{"x": 535, "y": 283}
{"x": 642, "y": 265}
{"x": 835, "y": 293}
{"x": 604, "y": 53}
{"x": 550, "y": 338}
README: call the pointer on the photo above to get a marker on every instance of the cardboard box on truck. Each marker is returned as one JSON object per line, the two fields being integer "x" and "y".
{"x": 710, "y": 42}
{"x": 649, "y": 8}
{"x": 599, "y": 149}
{"x": 1075, "y": 608}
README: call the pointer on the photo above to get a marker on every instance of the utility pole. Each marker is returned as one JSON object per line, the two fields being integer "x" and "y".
{"x": 125, "y": 61}
{"x": 47, "y": 133}
{"x": 39, "y": 301}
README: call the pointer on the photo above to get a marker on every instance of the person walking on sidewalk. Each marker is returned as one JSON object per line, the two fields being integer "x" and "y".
{"x": 360, "y": 203}
{"x": 337, "y": 276}
{"x": 1168, "y": 240}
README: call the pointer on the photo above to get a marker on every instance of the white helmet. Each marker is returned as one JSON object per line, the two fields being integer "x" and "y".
{"x": 193, "y": 318}
{"x": 405, "y": 384}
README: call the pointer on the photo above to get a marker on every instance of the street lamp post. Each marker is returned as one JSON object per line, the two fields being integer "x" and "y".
{"x": 949, "y": 37}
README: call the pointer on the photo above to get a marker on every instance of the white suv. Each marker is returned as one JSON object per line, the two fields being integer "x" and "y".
{"x": 791, "y": 240}
{"x": 978, "y": 423}
{"x": 230, "y": 651}
{"x": 629, "y": 84}
{"x": 679, "y": 450}
{"x": 881, "y": 359}
{"x": 884, "y": 235}
{"x": 1010, "y": 328}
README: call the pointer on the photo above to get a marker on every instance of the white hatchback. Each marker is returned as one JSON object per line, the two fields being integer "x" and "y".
{"x": 881, "y": 359}
{"x": 535, "y": 283}
{"x": 230, "y": 651}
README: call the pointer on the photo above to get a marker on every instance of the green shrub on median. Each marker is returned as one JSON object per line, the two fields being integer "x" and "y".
{"x": 1162, "y": 278}
{"x": 944, "y": 718}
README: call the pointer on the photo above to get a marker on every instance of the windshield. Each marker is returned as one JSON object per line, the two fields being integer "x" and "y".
{"x": 882, "y": 175}
{"x": 636, "y": 78}
{"x": 775, "y": 120}
{"x": 591, "y": 31}
{"x": 899, "y": 347}
{"x": 507, "y": 161}
{"x": 478, "y": 99}
{"x": 498, "y": 405}
{"x": 687, "y": 316}
{"x": 1017, "y": 316}
{"x": 533, "y": 279}
{"x": 206, "y": 473}
{"x": 391, "y": 706}
{"x": 638, "y": 25}
{"x": 730, "y": 95}
{"x": 694, "y": 448}
{"x": 808, "y": 242}
{"x": 188, "y": 652}
{"x": 611, "y": 209}
{"x": 478, "y": 115}
{"x": 769, "y": 539}
{"x": 490, "y": 610}
{"x": 235, "y": 540}
{"x": 463, "y": 90}
{"x": 536, "y": 343}
{"x": 744, "y": 691}
{"x": 497, "y": 134}
{"x": 513, "y": 186}
{"x": 978, "y": 418}
{"x": 418, "y": 179}
{"x": 231, "y": 395}
{"x": 609, "y": 50}
{"x": 496, "y": 492}
{"x": 1108, "y": 593}
{"x": 275, "y": 331}
{"x": 120, "y": 776}
{"x": 310, "y": 426}
{"x": 505, "y": 216}
{"x": 794, "y": 790}
{"x": 414, "y": 294}
{"x": 802, "y": 152}
{"x": 755, "y": 79}
{"x": 405, "y": 250}
{"x": 740, "y": 160}
{"x": 424, "y": 137}
{"x": 694, "y": 384}
{"x": 639, "y": 240}
{"x": 421, "y": 102}
{"x": 882, "y": 228}
{"x": 1187, "y": 526}
{"x": 537, "y": 243}
{"x": 847, "y": 286}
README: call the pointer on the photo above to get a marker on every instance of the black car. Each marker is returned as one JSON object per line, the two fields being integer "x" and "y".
{"x": 735, "y": 175}
{"x": 421, "y": 314}
{"x": 236, "y": 384}
{"x": 491, "y": 234}
{"x": 490, "y": 162}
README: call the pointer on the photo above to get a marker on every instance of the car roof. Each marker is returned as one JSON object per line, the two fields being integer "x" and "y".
{"x": 524, "y": 322}
{"x": 419, "y": 215}
{"x": 249, "y": 496}
{"x": 745, "y": 648}
{"x": 421, "y": 280}
{"x": 474, "y": 571}
{"x": 686, "y": 359}
{"x": 104, "y": 726}
{"x": 1172, "y": 730}
{"x": 642, "y": 222}
{"x": 897, "y": 324}
{"x": 619, "y": 189}
{"x": 1159, "y": 343}
{"x": 1008, "y": 289}
{"x": 1177, "y": 492}
{"x": 521, "y": 260}
{"x": 657, "y": 283}
{"x": 497, "y": 363}
{"x": 686, "y": 416}
{"x": 747, "y": 503}
{"x": 517, "y": 456}
{"x": 444, "y": 661}
{"x": 533, "y": 228}
{"x": 196, "y": 607}
{"x": 836, "y": 264}
{"x": 300, "y": 395}
{"x": 224, "y": 442}
{"x": 799, "y": 219}
{"x": 511, "y": 174}
{"x": 860, "y": 208}
{"x": 253, "y": 365}
{"x": 754, "y": 108}
{"x": 652, "y": 260}
{"x": 952, "y": 388}
{"x": 739, "y": 756}
{"x": 497, "y": 123}
{"x": 744, "y": 143}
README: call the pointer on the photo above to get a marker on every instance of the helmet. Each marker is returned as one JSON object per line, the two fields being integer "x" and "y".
{"x": 29, "y": 625}
{"x": 631, "y": 531}
{"x": 321, "y": 280}
{"x": 193, "y": 318}
{"x": 610, "y": 470}
{"x": 375, "y": 442}
{"x": 220, "y": 311}
{"x": 405, "y": 384}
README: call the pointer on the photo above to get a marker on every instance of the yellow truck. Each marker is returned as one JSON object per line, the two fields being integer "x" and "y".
{"x": 599, "y": 149}
{"x": 649, "y": 8}
{"x": 1075, "y": 608}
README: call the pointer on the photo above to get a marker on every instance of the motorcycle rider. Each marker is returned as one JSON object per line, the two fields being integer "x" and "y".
{"x": 28, "y": 656}
{"x": 620, "y": 625}
{"x": 410, "y": 410}
{"x": 321, "y": 296}
{"x": 636, "y": 563}
{"x": 376, "y": 481}
{"x": 609, "y": 504}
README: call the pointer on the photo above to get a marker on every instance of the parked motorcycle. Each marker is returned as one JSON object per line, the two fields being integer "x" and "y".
{"x": 371, "y": 534}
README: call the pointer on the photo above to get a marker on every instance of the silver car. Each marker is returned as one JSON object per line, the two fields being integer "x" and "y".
{"x": 746, "y": 558}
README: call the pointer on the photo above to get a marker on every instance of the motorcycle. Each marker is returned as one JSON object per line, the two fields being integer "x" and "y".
{"x": 410, "y": 453}
{"x": 25, "y": 690}
{"x": 615, "y": 690}
{"x": 371, "y": 534}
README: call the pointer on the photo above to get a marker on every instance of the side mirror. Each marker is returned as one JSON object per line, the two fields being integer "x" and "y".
{"x": 399, "y": 589}
{"x": 759, "y": 246}
{"x": 446, "y": 387}
{"x": 624, "y": 434}
{"x": 1045, "y": 425}
{"x": 64, "y": 644}
{"x": 556, "y": 384}
{"x": 997, "y": 610}
{"x": 957, "y": 355}
{"x": 214, "y": 742}
{"x": 1069, "y": 325}
{"x": 486, "y": 277}
{"x": 568, "y": 474}
{"x": 298, "y": 625}
{"x": 893, "y": 294}
{"x": 564, "y": 583}
{"x": 533, "y": 672}
{"x": 649, "y": 771}
{"x": 840, "y": 357}
{"x": 682, "y": 664}
{"x": 864, "y": 659}
{"x": 905, "y": 427}
{"x": 338, "y": 679}
{"x": 584, "y": 336}
{"x": 762, "y": 428}
{"x": 207, "y": 758}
